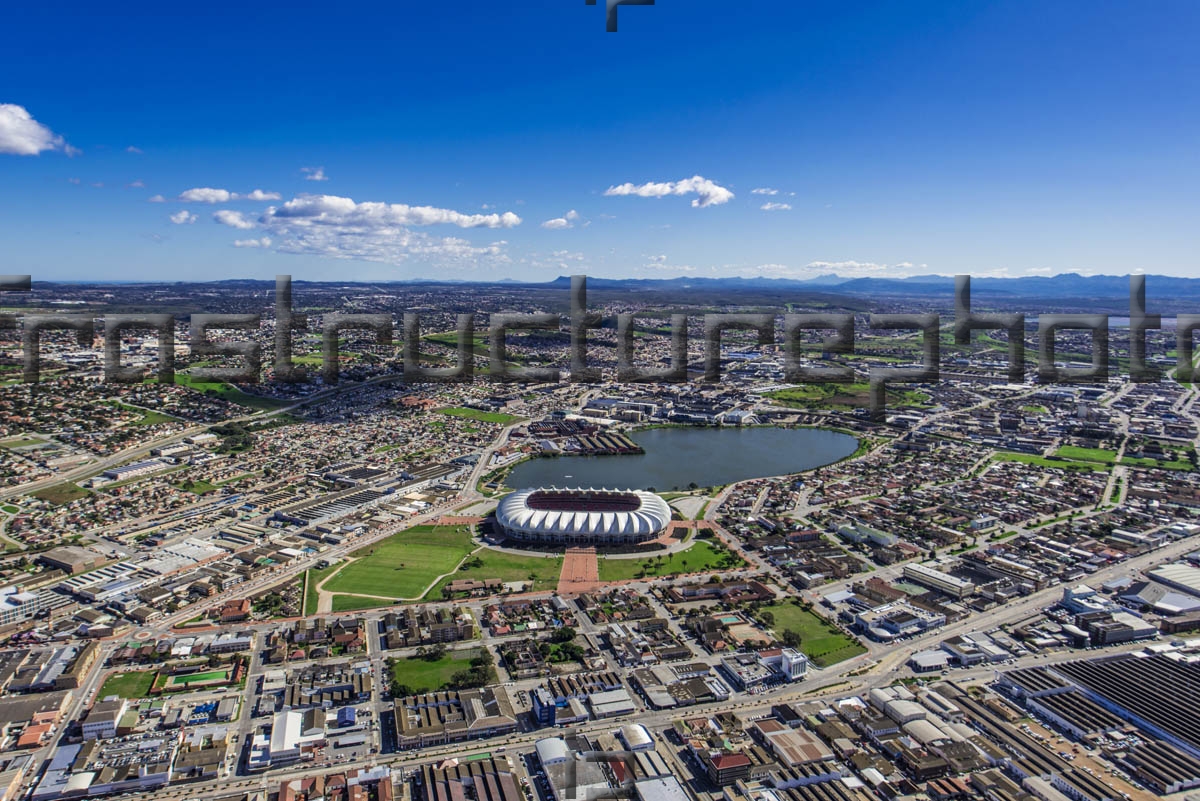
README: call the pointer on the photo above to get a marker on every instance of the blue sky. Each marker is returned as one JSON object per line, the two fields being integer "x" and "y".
{"x": 899, "y": 138}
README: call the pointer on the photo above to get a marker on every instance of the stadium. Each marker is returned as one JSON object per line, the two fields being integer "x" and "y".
{"x": 583, "y": 516}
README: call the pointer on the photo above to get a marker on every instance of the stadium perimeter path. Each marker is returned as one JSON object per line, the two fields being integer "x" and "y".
{"x": 580, "y": 572}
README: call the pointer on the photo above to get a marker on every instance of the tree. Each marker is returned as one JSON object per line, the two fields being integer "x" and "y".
{"x": 767, "y": 618}
{"x": 563, "y": 634}
{"x": 791, "y": 638}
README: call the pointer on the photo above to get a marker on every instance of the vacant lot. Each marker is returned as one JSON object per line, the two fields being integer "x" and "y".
{"x": 823, "y": 643}
{"x": 704, "y": 555}
{"x": 403, "y": 565}
{"x": 61, "y": 493}
{"x": 484, "y": 417}
{"x": 424, "y": 676}
{"x": 543, "y": 571}
{"x": 128, "y": 685}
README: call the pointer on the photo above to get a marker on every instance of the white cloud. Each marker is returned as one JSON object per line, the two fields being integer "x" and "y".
{"x": 264, "y": 242}
{"x": 157, "y": 199}
{"x": 764, "y": 190}
{"x": 708, "y": 192}
{"x": 314, "y": 173}
{"x": 22, "y": 135}
{"x": 339, "y": 227}
{"x": 206, "y": 194}
{"x": 182, "y": 217}
{"x": 776, "y": 207}
{"x": 139, "y": 184}
{"x": 133, "y": 149}
{"x": 568, "y": 220}
{"x": 659, "y": 264}
{"x": 234, "y": 219}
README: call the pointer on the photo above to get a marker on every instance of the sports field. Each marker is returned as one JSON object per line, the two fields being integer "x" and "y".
{"x": 403, "y": 565}
{"x": 135, "y": 684}
{"x": 197, "y": 678}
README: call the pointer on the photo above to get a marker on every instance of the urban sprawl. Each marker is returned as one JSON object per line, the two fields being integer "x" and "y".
{"x": 372, "y": 588}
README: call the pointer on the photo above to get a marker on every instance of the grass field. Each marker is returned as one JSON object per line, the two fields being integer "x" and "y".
{"x": 195, "y": 678}
{"x": 481, "y": 416}
{"x": 312, "y": 579}
{"x": 62, "y": 493}
{"x": 128, "y": 685}
{"x": 148, "y": 418}
{"x": 704, "y": 555}
{"x": 226, "y": 392}
{"x": 403, "y": 565}
{"x": 1041, "y": 461}
{"x": 424, "y": 676}
{"x": 21, "y": 442}
{"x": 353, "y": 603}
{"x": 1100, "y": 455}
{"x": 823, "y": 643}
{"x": 843, "y": 396}
{"x": 1170, "y": 464}
{"x": 508, "y": 567}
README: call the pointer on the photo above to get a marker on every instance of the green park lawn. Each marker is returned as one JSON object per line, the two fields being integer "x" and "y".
{"x": 481, "y": 416}
{"x": 1041, "y": 461}
{"x": 226, "y": 392}
{"x": 702, "y": 556}
{"x": 492, "y": 564}
{"x": 1101, "y": 455}
{"x": 843, "y": 396}
{"x": 403, "y": 565}
{"x": 312, "y": 578}
{"x": 821, "y": 641}
{"x": 425, "y": 676}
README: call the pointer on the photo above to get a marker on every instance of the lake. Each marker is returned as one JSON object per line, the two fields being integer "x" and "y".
{"x": 676, "y": 457}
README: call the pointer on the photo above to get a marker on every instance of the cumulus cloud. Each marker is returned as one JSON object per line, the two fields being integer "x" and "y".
{"x": 568, "y": 220}
{"x": 340, "y": 227}
{"x": 182, "y": 217}
{"x": 234, "y": 219}
{"x": 138, "y": 184}
{"x": 22, "y": 135}
{"x": 133, "y": 149}
{"x": 207, "y": 194}
{"x": 264, "y": 242}
{"x": 314, "y": 173}
{"x": 776, "y": 207}
{"x": 157, "y": 199}
{"x": 708, "y": 193}
{"x": 764, "y": 190}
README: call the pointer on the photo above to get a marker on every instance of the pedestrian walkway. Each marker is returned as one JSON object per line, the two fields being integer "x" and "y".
{"x": 580, "y": 572}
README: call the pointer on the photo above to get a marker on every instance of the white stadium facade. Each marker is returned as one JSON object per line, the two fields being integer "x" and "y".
{"x": 583, "y": 516}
